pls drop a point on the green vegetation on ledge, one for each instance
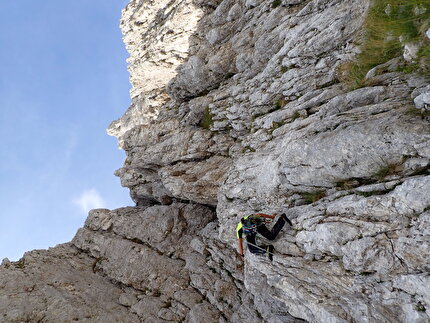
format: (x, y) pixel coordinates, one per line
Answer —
(207, 120)
(276, 3)
(312, 197)
(389, 24)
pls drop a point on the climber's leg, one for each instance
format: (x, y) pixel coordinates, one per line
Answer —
(272, 234)
(252, 245)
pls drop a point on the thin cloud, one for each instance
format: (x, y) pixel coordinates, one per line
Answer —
(70, 147)
(90, 199)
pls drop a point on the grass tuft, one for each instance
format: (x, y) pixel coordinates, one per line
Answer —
(388, 170)
(424, 58)
(371, 193)
(312, 197)
(412, 111)
(420, 307)
(276, 125)
(207, 120)
(248, 148)
(347, 184)
(295, 116)
(276, 4)
(279, 104)
(387, 22)
(284, 69)
(366, 273)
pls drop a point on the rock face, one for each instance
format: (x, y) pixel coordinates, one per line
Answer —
(164, 253)
(59, 285)
(237, 108)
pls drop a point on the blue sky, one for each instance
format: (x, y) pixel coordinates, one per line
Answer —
(63, 80)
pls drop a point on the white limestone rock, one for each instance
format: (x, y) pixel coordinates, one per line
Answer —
(154, 55)
(150, 250)
(252, 3)
(410, 51)
(238, 105)
(422, 101)
(280, 134)
(59, 285)
(5, 262)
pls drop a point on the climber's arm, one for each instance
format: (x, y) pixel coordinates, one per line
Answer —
(239, 233)
(267, 216)
(240, 246)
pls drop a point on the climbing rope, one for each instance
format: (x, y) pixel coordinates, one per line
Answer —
(260, 248)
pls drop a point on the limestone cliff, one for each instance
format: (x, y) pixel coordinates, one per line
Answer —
(240, 107)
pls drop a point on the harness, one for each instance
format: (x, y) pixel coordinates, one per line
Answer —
(249, 227)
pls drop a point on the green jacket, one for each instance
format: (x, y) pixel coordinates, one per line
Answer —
(239, 230)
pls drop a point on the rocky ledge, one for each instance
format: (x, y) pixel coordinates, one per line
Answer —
(239, 107)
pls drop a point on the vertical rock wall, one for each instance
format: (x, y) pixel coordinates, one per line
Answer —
(238, 107)
(258, 120)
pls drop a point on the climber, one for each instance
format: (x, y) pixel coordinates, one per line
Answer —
(252, 224)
